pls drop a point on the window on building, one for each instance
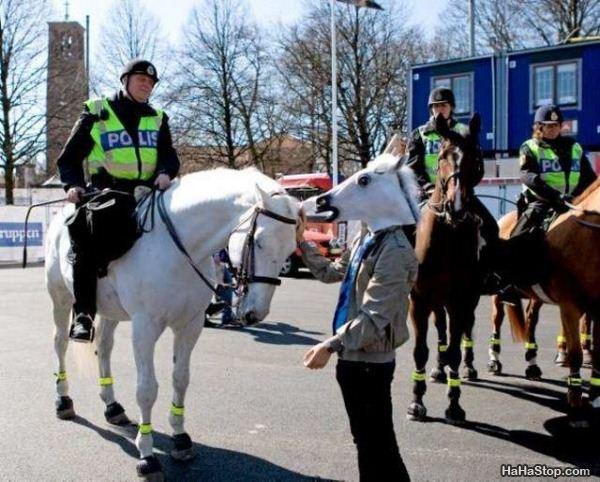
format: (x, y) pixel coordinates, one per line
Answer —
(461, 86)
(555, 84)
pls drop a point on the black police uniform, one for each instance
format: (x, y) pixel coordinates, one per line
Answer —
(70, 165)
(539, 198)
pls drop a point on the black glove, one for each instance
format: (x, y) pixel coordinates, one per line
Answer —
(566, 198)
(559, 206)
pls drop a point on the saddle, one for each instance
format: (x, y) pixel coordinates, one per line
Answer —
(106, 226)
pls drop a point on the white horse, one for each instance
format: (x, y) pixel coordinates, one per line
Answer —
(383, 194)
(154, 286)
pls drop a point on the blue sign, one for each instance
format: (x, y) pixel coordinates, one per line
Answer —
(12, 235)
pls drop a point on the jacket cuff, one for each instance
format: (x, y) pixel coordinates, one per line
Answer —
(334, 344)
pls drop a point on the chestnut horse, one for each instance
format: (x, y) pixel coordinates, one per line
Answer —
(573, 283)
(447, 247)
(529, 319)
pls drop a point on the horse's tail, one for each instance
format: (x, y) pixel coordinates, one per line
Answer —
(518, 325)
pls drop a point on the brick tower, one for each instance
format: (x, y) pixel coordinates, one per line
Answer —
(67, 87)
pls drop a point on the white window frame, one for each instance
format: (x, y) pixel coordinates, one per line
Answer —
(532, 84)
(451, 78)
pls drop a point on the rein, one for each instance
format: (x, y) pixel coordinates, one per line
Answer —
(588, 212)
(247, 269)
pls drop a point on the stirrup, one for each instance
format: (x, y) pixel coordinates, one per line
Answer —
(81, 333)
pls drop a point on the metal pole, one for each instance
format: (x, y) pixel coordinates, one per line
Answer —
(472, 27)
(334, 126)
(87, 49)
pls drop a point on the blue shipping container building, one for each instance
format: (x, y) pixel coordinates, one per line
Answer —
(507, 88)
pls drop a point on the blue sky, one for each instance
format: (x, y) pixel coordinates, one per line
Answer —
(172, 13)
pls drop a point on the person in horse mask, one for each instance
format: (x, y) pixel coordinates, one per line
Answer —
(377, 275)
(423, 151)
(554, 170)
(127, 143)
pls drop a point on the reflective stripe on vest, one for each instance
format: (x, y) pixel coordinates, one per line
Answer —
(114, 148)
(551, 171)
(433, 142)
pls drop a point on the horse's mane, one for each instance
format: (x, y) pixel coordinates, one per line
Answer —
(589, 190)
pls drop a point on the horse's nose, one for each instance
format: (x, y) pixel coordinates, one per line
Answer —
(251, 318)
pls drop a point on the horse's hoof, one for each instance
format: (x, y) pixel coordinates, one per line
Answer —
(561, 358)
(115, 414)
(437, 375)
(64, 408)
(455, 415)
(587, 359)
(416, 412)
(149, 469)
(533, 372)
(494, 367)
(184, 448)
(469, 373)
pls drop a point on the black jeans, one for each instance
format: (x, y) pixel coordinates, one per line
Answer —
(366, 388)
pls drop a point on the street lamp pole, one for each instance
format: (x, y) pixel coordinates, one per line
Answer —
(334, 117)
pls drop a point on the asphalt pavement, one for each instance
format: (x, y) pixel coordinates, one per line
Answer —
(256, 414)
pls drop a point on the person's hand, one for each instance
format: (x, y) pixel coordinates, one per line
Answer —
(317, 357)
(74, 194)
(301, 226)
(163, 181)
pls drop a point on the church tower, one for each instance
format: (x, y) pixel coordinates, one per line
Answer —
(67, 85)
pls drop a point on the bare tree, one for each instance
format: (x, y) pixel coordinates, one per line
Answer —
(22, 75)
(557, 21)
(374, 52)
(513, 24)
(130, 31)
(227, 107)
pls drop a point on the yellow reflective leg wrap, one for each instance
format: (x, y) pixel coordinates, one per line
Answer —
(61, 376)
(531, 346)
(574, 381)
(106, 381)
(467, 343)
(595, 382)
(145, 428)
(442, 348)
(454, 382)
(561, 339)
(583, 337)
(418, 377)
(177, 411)
(494, 341)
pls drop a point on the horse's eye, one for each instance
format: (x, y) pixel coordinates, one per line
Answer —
(364, 180)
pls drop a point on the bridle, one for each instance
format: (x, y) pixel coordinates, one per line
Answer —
(441, 208)
(246, 273)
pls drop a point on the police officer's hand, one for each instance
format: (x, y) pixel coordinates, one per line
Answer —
(74, 194)
(317, 357)
(301, 226)
(163, 181)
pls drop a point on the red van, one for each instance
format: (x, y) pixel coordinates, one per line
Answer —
(329, 237)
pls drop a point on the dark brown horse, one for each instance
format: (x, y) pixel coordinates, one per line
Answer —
(573, 283)
(447, 247)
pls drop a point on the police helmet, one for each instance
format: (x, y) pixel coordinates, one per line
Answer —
(440, 95)
(548, 114)
(139, 66)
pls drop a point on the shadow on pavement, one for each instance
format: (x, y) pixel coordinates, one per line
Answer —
(279, 333)
(210, 463)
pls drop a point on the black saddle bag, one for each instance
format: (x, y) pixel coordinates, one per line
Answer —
(110, 228)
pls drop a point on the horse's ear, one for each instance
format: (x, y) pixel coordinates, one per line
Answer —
(475, 125)
(262, 197)
(441, 126)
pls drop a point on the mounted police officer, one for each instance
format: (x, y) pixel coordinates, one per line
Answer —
(423, 151)
(127, 143)
(554, 169)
